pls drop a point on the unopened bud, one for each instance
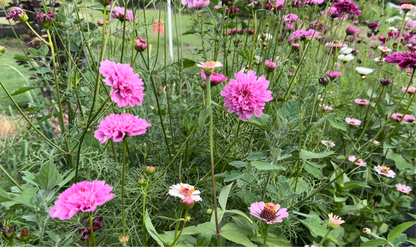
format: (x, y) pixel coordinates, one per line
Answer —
(209, 211)
(367, 231)
(150, 170)
(140, 45)
(324, 81)
(124, 240)
(2, 50)
(385, 81)
(142, 181)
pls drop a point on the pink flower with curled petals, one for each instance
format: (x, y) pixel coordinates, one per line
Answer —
(411, 89)
(84, 196)
(362, 101)
(215, 78)
(268, 212)
(270, 65)
(385, 171)
(352, 30)
(358, 162)
(246, 95)
(117, 126)
(403, 188)
(409, 118)
(352, 121)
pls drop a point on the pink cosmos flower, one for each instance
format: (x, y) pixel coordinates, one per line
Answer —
(84, 196)
(301, 34)
(268, 212)
(290, 17)
(397, 116)
(198, 4)
(358, 162)
(333, 74)
(352, 30)
(185, 190)
(270, 65)
(409, 118)
(362, 101)
(385, 171)
(406, 7)
(120, 15)
(411, 89)
(403, 188)
(215, 78)
(352, 121)
(187, 2)
(404, 60)
(216, 7)
(328, 143)
(128, 87)
(246, 95)
(118, 126)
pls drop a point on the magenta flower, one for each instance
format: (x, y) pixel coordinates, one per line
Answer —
(404, 60)
(333, 74)
(411, 89)
(17, 14)
(301, 34)
(140, 45)
(362, 101)
(268, 212)
(45, 20)
(314, 1)
(270, 65)
(397, 116)
(358, 162)
(409, 118)
(352, 121)
(198, 4)
(128, 87)
(86, 230)
(246, 95)
(290, 17)
(403, 188)
(215, 78)
(120, 14)
(385, 171)
(373, 25)
(346, 6)
(118, 126)
(352, 30)
(84, 196)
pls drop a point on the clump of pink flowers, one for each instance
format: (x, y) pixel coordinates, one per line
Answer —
(268, 212)
(198, 4)
(84, 196)
(246, 95)
(404, 60)
(385, 171)
(404, 118)
(353, 121)
(301, 34)
(403, 188)
(122, 16)
(127, 86)
(117, 126)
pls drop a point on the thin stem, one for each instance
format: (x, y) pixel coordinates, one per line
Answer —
(178, 223)
(144, 212)
(395, 203)
(324, 238)
(31, 28)
(123, 174)
(92, 229)
(183, 227)
(10, 177)
(266, 233)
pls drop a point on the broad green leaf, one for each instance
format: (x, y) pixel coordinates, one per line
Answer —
(399, 229)
(238, 164)
(222, 199)
(349, 209)
(260, 122)
(305, 155)
(68, 177)
(100, 7)
(21, 57)
(232, 233)
(264, 166)
(192, 31)
(187, 63)
(4, 197)
(354, 184)
(259, 155)
(151, 230)
(43, 51)
(401, 162)
(26, 196)
(374, 243)
(316, 228)
(48, 177)
(272, 240)
(314, 171)
(20, 91)
(234, 176)
(402, 238)
(290, 110)
(337, 125)
(204, 239)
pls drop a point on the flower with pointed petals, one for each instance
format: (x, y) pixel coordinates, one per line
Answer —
(409, 118)
(215, 79)
(122, 16)
(385, 171)
(364, 71)
(346, 6)
(352, 121)
(397, 116)
(333, 74)
(334, 221)
(198, 4)
(301, 34)
(404, 60)
(346, 50)
(209, 66)
(403, 188)
(185, 190)
(328, 143)
(268, 212)
(352, 30)
(345, 58)
(358, 162)
(411, 89)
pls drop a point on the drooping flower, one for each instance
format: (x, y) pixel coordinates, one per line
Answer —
(411, 89)
(352, 121)
(17, 14)
(268, 212)
(352, 30)
(385, 171)
(246, 95)
(215, 79)
(122, 16)
(384, 49)
(117, 126)
(334, 221)
(127, 86)
(362, 101)
(198, 4)
(404, 60)
(358, 162)
(45, 20)
(301, 34)
(364, 71)
(403, 188)
(184, 191)
(333, 74)
(84, 196)
(328, 143)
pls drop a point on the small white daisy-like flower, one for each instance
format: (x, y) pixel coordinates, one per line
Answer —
(384, 49)
(346, 58)
(346, 50)
(185, 190)
(265, 36)
(328, 143)
(364, 71)
(385, 171)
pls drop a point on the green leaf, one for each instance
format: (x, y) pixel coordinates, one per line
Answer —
(234, 176)
(354, 184)
(320, 122)
(204, 114)
(259, 155)
(151, 230)
(4, 197)
(231, 232)
(20, 57)
(100, 7)
(305, 155)
(26, 196)
(399, 229)
(260, 122)
(402, 238)
(264, 166)
(314, 171)
(317, 228)
(68, 177)
(20, 91)
(374, 243)
(43, 51)
(238, 164)
(337, 125)
(48, 177)
(401, 162)
(204, 239)
(88, 26)
(187, 63)
(224, 196)
(350, 209)
(192, 31)
(290, 110)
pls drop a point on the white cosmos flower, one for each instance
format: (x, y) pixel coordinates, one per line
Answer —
(393, 29)
(364, 71)
(209, 64)
(346, 50)
(384, 49)
(257, 59)
(346, 58)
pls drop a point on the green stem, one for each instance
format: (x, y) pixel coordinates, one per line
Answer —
(92, 229)
(178, 223)
(395, 203)
(324, 238)
(266, 233)
(183, 227)
(263, 193)
(10, 177)
(123, 175)
(144, 212)
(31, 28)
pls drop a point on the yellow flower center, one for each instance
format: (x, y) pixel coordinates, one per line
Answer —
(385, 169)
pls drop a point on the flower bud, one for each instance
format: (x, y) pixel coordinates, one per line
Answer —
(45, 20)
(18, 14)
(270, 66)
(150, 170)
(209, 211)
(140, 45)
(188, 202)
(123, 240)
(367, 231)
(2, 50)
(385, 81)
(264, 44)
(324, 81)
(142, 181)
(24, 234)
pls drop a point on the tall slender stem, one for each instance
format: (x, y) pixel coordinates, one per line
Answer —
(266, 233)
(395, 203)
(178, 223)
(144, 212)
(123, 175)
(324, 238)
(183, 227)
(92, 229)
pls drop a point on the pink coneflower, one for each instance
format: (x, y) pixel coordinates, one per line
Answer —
(403, 188)
(333, 74)
(346, 6)
(246, 95)
(352, 30)
(328, 143)
(362, 101)
(117, 126)
(385, 171)
(358, 162)
(198, 4)
(301, 34)
(84, 196)
(120, 15)
(411, 89)
(334, 221)
(270, 65)
(352, 121)
(185, 191)
(215, 78)
(268, 212)
(404, 60)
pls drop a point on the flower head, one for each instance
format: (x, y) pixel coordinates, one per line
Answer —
(84, 196)
(328, 143)
(352, 30)
(411, 89)
(364, 71)
(198, 4)
(352, 121)
(45, 20)
(268, 212)
(122, 16)
(246, 95)
(385, 171)
(367, 231)
(185, 190)
(117, 126)
(409, 118)
(384, 49)
(209, 66)
(358, 162)
(17, 14)
(334, 221)
(333, 74)
(406, 7)
(346, 6)
(127, 86)
(403, 188)
(397, 116)
(270, 65)
(140, 45)
(215, 78)
(290, 17)
(301, 34)
(362, 101)
(404, 60)
(345, 58)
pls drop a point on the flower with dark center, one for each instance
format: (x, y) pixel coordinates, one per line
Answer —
(268, 212)
(404, 60)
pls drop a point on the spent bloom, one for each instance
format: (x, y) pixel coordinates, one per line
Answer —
(117, 126)
(86, 230)
(333, 74)
(121, 15)
(246, 95)
(361, 101)
(184, 191)
(209, 66)
(45, 20)
(84, 196)
(127, 86)
(334, 221)
(403, 188)
(301, 34)
(385, 171)
(411, 89)
(328, 143)
(17, 14)
(358, 162)
(404, 60)
(268, 212)
(352, 121)
(215, 78)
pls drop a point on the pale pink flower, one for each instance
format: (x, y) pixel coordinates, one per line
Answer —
(376, 142)
(185, 190)
(333, 74)
(118, 126)
(215, 78)
(385, 171)
(314, 2)
(411, 89)
(290, 17)
(246, 95)
(268, 212)
(352, 121)
(358, 162)
(409, 118)
(270, 65)
(326, 107)
(128, 87)
(403, 188)
(397, 116)
(198, 4)
(120, 15)
(406, 7)
(84, 196)
(362, 101)
(311, 246)
(328, 143)
(334, 221)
